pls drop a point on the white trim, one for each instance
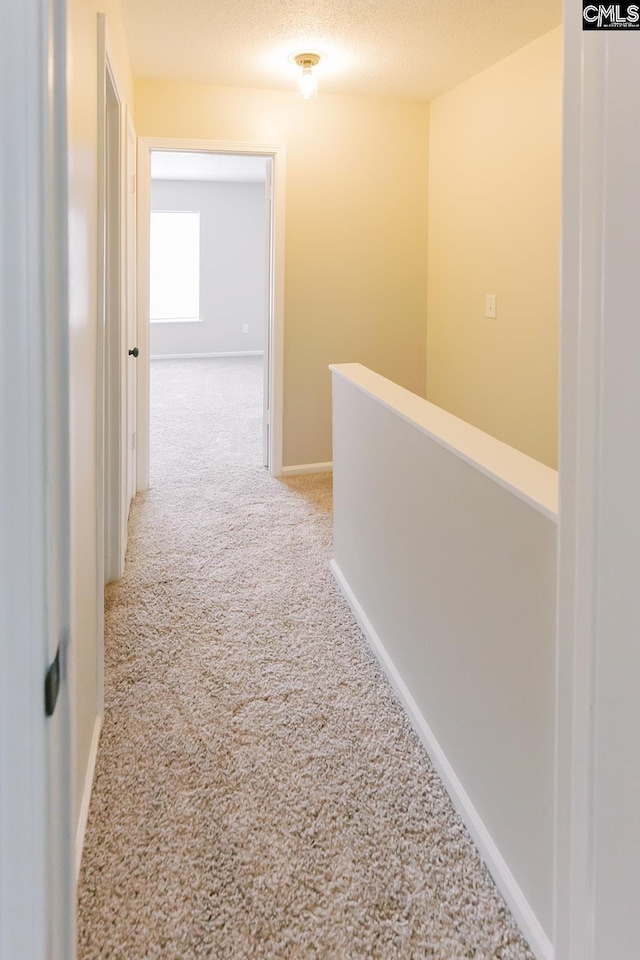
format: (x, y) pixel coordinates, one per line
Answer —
(275, 348)
(100, 275)
(515, 898)
(37, 903)
(83, 814)
(206, 356)
(573, 860)
(301, 468)
(598, 715)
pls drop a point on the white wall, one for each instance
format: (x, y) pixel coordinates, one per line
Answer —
(232, 267)
(446, 549)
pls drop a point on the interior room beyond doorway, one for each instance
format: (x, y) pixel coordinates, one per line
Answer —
(209, 258)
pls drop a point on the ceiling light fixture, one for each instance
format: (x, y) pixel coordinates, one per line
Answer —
(308, 81)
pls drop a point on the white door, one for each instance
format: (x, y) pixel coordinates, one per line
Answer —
(37, 890)
(111, 398)
(268, 300)
(132, 332)
(143, 370)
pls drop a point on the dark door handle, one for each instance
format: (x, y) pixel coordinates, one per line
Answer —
(52, 685)
(134, 352)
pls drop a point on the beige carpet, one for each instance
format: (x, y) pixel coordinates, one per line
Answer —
(259, 792)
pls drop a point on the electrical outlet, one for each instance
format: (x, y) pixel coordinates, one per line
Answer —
(490, 308)
(245, 328)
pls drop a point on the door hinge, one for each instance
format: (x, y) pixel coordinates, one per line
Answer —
(52, 685)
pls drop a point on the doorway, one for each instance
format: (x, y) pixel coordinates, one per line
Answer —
(159, 163)
(209, 270)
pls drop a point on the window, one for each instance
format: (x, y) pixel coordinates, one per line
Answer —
(174, 293)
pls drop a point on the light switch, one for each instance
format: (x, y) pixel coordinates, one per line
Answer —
(490, 309)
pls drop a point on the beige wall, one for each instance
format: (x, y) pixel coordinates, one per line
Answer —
(83, 207)
(356, 238)
(494, 227)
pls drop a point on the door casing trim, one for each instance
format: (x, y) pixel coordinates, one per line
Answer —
(274, 348)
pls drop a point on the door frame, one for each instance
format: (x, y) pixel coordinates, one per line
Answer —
(274, 346)
(37, 890)
(597, 837)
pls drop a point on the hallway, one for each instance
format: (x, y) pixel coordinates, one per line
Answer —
(259, 792)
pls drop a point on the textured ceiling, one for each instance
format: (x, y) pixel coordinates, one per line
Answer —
(404, 48)
(175, 165)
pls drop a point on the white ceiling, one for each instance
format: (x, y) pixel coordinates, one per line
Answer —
(175, 165)
(404, 48)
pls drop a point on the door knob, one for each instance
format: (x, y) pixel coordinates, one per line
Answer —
(134, 352)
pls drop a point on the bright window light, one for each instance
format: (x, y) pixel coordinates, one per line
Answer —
(174, 294)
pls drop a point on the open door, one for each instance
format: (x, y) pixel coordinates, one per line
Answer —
(131, 310)
(268, 301)
(112, 334)
(143, 370)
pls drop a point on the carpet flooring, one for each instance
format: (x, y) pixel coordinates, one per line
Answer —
(259, 792)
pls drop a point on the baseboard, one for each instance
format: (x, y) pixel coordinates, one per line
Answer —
(504, 879)
(206, 356)
(300, 468)
(83, 816)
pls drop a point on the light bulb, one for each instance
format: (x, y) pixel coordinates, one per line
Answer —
(307, 81)
(308, 84)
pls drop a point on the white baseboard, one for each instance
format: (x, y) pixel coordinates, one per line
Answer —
(206, 356)
(300, 468)
(505, 881)
(83, 815)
